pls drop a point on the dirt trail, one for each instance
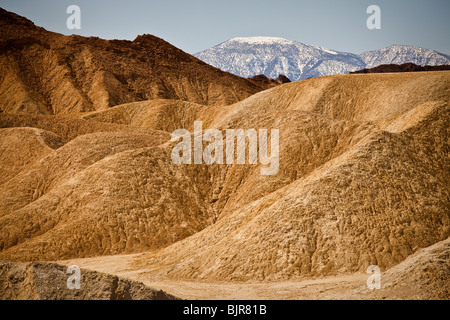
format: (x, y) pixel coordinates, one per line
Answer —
(424, 275)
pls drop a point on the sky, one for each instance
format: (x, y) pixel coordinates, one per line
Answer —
(196, 25)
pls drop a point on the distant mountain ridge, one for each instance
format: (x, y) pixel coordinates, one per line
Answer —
(273, 56)
(405, 67)
(396, 54)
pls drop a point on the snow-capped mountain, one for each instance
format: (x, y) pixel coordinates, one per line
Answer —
(271, 56)
(401, 54)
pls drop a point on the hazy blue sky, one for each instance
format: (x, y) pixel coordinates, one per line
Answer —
(199, 24)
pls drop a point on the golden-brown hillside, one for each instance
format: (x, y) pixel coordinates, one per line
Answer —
(362, 181)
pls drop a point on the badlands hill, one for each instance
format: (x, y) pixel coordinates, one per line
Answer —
(48, 73)
(363, 179)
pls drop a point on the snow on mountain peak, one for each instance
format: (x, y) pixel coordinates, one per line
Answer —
(260, 40)
(272, 56)
(398, 54)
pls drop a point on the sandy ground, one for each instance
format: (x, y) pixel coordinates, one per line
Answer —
(326, 288)
(422, 276)
(351, 286)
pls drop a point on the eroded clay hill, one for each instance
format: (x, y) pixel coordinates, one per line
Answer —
(42, 72)
(363, 179)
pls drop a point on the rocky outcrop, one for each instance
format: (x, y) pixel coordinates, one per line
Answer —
(48, 281)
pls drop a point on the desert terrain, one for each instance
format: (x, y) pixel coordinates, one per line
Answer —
(86, 177)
